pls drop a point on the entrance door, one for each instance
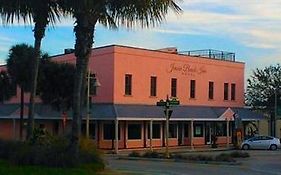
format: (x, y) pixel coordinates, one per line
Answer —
(208, 133)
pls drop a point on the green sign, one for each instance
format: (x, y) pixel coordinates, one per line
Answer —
(174, 102)
(161, 103)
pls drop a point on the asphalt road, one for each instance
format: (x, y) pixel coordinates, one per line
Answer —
(260, 163)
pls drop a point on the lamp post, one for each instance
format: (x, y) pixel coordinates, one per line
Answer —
(94, 84)
(168, 112)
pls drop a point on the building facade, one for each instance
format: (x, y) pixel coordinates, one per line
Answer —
(209, 85)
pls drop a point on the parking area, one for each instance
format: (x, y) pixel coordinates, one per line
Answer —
(260, 162)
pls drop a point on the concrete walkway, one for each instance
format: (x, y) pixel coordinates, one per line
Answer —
(179, 149)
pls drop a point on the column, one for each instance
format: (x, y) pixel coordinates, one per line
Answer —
(191, 134)
(14, 128)
(227, 133)
(182, 133)
(116, 136)
(151, 130)
(98, 133)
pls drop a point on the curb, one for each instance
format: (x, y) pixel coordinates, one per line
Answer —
(178, 160)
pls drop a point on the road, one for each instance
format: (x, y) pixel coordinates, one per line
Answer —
(260, 163)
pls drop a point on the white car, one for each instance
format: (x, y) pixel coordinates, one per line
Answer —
(261, 142)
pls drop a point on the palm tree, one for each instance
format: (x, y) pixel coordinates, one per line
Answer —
(19, 68)
(40, 13)
(110, 13)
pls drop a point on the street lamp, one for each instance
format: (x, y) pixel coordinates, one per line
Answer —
(90, 84)
(168, 112)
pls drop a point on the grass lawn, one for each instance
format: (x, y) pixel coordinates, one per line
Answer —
(7, 169)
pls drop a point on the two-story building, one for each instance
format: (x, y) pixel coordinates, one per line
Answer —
(209, 85)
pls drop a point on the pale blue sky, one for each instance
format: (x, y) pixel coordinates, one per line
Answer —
(250, 28)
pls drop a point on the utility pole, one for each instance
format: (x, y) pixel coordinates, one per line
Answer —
(95, 83)
(88, 106)
(277, 110)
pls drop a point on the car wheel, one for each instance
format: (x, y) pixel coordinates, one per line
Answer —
(246, 147)
(273, 147)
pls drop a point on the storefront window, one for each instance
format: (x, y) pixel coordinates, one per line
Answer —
(92, 130)
(134, 131)
(220, 129)
(109, 131)
(173, 130)
(156, 131)
(198, 130)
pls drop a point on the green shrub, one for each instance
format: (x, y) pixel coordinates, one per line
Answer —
(8, 147)
(50, 151)
(239, 154)
(152, 154)
(90, 154)
(199, 158)
(134, 154)
(224, 158)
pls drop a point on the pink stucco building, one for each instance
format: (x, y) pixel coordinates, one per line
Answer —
(209, 85)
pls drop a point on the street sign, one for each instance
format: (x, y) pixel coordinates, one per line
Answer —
(161, 103)
(174, 102)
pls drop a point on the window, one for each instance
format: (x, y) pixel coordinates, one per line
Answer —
(192, 88)
(155, 131)
(93, 89)
(92, 129)
(128, 84)
(233, 88)
(109, 131)
(211, 90)
(221, 129)
(174, 87)
(56, 127)
(225, 97)
(173, 130)
(198, 130)
(153, 86)
(134, 131)
(186, 133)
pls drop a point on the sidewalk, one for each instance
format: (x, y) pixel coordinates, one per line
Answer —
(178, 149)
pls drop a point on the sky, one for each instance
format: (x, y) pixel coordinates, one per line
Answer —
(250, 28)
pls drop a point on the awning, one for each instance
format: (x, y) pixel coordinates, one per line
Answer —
(139, 112)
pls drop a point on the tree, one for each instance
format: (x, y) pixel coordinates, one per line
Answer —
(19, 68)
(40, 13)
(56, 84)
(110, 13)
(261, 89)
(7, 86)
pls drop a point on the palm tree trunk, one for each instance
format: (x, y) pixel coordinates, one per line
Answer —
(21, 111)
(39, 31)
(84, 31)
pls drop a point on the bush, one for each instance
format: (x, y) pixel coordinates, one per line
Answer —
(90, 154)
(152, 154)
(7, 148)
(50, 151)
(224, 158)
(200, 157)
(239, 154)
(134, 154)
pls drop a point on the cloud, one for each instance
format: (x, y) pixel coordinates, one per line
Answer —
(253, 23)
